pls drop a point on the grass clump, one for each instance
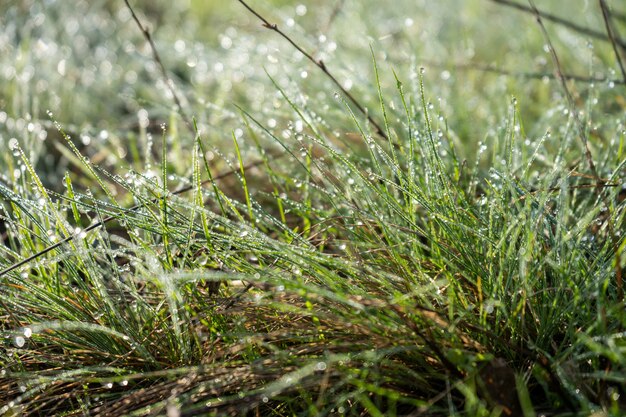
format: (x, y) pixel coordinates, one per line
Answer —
(345, 247)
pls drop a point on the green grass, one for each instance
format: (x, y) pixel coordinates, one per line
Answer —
(466, 263)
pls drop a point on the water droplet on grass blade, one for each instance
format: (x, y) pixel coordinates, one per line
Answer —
(489, 307)
(13, 144)
(19, 341)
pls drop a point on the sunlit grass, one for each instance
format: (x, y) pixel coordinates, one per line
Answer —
(466, 264)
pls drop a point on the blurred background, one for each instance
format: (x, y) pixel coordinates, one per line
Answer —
(86, 65)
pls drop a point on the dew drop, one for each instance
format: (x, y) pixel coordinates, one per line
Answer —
(19, 341)
(13, 144)
(103, 135)
(301, 10)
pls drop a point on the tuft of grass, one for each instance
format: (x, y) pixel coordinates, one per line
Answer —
(310, 251)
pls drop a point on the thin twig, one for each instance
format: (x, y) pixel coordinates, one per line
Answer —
(325, 28)
(556, 19)
(558, 71)
(189, 124)
(530, 75)
(157, 58)
(321, 65)
(334, 14)
(134, 208)
(618, 261)
(611, 32)
(583, 136)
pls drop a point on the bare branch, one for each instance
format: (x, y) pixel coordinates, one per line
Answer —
(157, 58)
(583, 135)
(611, 32)
(320, 64)
(556, 19)
(558, 70)
(334, 14)
(530, 75)
(107, 219)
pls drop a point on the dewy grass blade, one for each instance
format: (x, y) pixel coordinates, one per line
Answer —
(244, 183)
(268, 168)
(344, 275)
(199, 198)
